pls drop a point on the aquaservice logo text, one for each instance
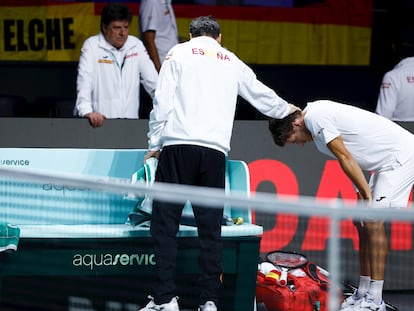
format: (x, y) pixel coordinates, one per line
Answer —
(101, 260)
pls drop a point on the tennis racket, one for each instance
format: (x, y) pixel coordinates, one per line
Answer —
(286, 261)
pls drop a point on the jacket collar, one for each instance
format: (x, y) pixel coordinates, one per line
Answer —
(205, 39)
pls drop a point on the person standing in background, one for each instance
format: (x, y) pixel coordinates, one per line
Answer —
(396, 96)
(112, 66)
(158, 28)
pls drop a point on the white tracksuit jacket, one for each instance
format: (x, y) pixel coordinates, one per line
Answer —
(396, 97)
(196, 96)
(109, 79)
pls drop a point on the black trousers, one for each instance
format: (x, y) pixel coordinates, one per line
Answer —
(198, 166)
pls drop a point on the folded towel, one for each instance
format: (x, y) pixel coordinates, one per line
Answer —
(9, 237)
(142, 210)
(141, 213)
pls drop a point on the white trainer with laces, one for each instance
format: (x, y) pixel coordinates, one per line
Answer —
(368, 304)
(208, 306)
(169, 306)
(351, 302)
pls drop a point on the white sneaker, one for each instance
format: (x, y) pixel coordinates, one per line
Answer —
(208, 306)
(351, 302)
(368, 304)
(169, 306)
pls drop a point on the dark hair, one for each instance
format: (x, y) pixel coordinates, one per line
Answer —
(281, 129)
(404, 49)
(205, 26)
(115, 12)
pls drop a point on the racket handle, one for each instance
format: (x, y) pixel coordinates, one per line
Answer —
(272, 277)
(283, 278)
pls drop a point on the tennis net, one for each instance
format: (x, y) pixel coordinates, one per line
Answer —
(49, 207)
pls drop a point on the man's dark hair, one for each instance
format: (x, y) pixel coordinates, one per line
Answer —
(205, 26)
(404, 49)
(281, 129)
(115, 12)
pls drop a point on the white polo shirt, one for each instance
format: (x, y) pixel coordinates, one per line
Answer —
(158, 15)
(375, 142)
(396, 97)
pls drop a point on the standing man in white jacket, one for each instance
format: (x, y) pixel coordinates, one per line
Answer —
(111, 67)
(189, 132)
(396, 96)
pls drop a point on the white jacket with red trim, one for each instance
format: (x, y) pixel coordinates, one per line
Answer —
(109, 79)
(196, 96)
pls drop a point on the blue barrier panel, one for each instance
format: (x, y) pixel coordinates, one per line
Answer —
(75, 240)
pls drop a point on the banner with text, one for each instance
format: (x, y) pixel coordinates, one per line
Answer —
(332, 33)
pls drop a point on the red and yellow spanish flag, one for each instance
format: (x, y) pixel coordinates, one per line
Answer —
(334, 32)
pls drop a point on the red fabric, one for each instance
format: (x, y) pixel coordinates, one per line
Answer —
(307, 293)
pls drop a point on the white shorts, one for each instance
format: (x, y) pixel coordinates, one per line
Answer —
(391, 188)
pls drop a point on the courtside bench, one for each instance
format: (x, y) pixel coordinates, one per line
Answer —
(76, 251)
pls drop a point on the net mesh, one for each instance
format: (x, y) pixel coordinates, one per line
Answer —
(75, 239)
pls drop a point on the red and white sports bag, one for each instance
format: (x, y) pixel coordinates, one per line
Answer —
(287, 281)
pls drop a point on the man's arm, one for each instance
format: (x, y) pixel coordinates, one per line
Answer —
(148, 37)
(387, 98)
(85, 86)
(350, 167)
(85, 80)
(162, 105)
(148, 74)
(260, 96)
